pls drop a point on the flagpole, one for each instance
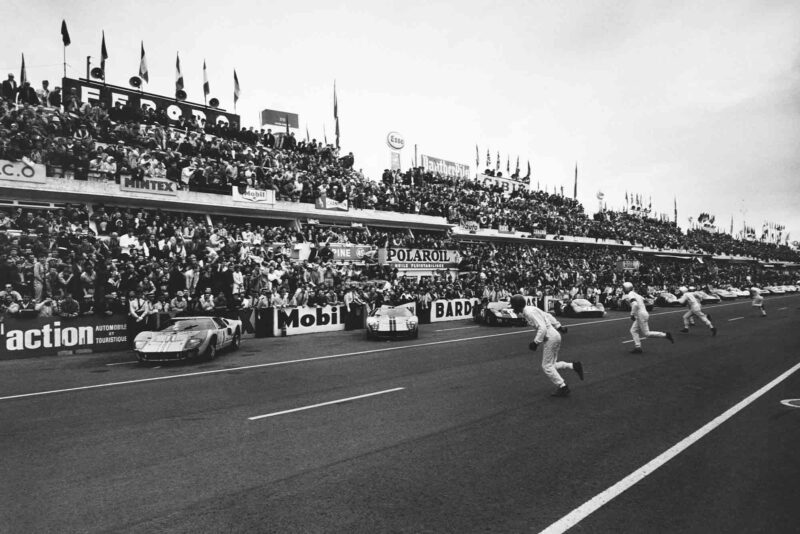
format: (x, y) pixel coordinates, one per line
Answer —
(65, 61)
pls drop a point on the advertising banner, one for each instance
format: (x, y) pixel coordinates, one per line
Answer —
(308, 320)
(44, 336)
(414, 258)
(347, 252)
(148, 185)
(325, 203)
(253, 196)
(274, 117)
(19, 171)
(445, 168)
(395, 163)
(628, 265)
(508, 185)
(471, 226)
(452, 310)
(538, 233)
(111, 94)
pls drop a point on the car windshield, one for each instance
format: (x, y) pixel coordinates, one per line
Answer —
(400, 311)
(188, 325)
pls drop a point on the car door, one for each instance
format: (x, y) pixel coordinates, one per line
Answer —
(224, 333)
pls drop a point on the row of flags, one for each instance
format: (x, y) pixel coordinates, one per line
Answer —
(144, 72)
(517, 169)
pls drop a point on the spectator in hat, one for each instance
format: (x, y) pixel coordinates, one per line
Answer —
(54, 98)
(68, 307)
(178, 305)
(44, 92)
(9, 88)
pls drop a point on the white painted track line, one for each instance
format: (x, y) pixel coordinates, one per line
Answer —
(583, 511)
(327, 357)
(254, 418)
(735, 319)
(123, 363)
(458, 328)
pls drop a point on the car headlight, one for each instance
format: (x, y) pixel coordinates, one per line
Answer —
(140, 344)
(411, 323)
(372, 322)
(194, 341)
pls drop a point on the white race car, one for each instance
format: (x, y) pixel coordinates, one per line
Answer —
(188, 337)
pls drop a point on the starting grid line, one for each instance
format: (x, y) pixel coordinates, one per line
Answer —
(318, 358)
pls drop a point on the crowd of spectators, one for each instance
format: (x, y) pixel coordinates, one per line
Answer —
(92, 259)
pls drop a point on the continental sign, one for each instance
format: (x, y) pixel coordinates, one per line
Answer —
(418, 258)
(175, 109)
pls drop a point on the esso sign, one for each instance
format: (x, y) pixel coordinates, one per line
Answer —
(395, 140)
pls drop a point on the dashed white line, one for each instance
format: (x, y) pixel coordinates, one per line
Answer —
(339, 401)
(629, 341)
(784, 308)
(735, 319)
(583, 511)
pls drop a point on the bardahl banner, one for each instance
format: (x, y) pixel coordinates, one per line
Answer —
(508, 185)
(111, 94)
(45, 336)
(158, 186)
(416, 258)
(20, 171)
(253, 196)
(452, 310)
(308, 320)
(445, 168)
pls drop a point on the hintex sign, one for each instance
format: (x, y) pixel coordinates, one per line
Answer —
(395, 140)
(414, 258)
(148, 185)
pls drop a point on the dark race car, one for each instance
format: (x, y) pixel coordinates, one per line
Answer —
(582, 308)
(392, 322)
(499, 314)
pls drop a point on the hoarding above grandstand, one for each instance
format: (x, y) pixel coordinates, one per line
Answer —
(507, 184)
(110, 94)
(445, 168)
(278, 118)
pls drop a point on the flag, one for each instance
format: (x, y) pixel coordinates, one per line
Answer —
(336, 112)
(575, 190)
(508, 163)
(529, 170)
(178, 74)
(103, 54)
(731, 224)
(676, 208)
(626, 198)
(64, 33)
(488, 158)
(517, 167)
(236, 89)
(287, 125)
(206, 86)
(324, 134)
(477, 158)
(143, 74)
(497, 163)
(308, 137)
(23, 76)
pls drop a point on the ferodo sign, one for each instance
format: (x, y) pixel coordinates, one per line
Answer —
(452, 310)
(308, 320)
(418, 258)
(24, 338)
(88, 91)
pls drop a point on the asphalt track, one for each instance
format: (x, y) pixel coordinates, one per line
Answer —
(471, 443)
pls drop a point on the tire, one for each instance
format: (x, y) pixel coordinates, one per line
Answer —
(370, 337)
(416, 335)
(211, 351)
(491, 320)
(236, 342)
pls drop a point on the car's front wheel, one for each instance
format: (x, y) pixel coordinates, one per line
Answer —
(211, 351)
(236, 342)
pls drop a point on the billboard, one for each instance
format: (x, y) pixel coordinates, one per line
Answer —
(413, 258)
(44, 336)
(20, 171)
(507, 184)
(445, 168)
(278, 118)
(111, 94)
(253, 196)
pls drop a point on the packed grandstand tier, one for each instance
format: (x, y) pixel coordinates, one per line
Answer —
(86, 257)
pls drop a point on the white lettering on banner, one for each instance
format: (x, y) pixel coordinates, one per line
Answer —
(508, 185)
(150, 185)
(445, 168)
(19, 171)
(472, 226)
(48, 337)
(42, 336)
(254, 196)
(309, 320)
(452, 310)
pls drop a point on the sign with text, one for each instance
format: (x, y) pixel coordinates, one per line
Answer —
(508, 185)
(325, 203)
(348, 252)
(414, 258)
(148, 185)
(445, 168)
(110, 94)
(273, 117)
(44, 336)
(20, 171)
(452, 310)
(309, 319)
(253, 196)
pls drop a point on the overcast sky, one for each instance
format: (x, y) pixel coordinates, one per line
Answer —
(699, 100)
